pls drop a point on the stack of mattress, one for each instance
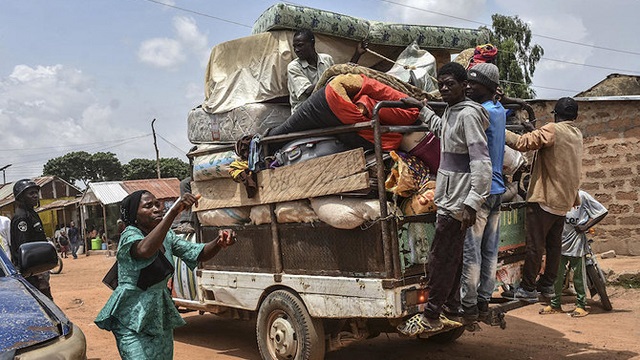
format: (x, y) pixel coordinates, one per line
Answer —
(285, 16)
(246, 83)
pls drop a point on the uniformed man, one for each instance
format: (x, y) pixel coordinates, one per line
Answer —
(26, 226)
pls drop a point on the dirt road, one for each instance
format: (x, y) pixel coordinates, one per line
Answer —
(601, 335)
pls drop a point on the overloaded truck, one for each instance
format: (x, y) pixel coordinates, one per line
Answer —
(326, 252)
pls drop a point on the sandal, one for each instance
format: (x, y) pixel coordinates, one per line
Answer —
(579, 312)
(449, 322)
(419, 324)
(550, 310)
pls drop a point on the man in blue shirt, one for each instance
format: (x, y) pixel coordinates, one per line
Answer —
(481, 241)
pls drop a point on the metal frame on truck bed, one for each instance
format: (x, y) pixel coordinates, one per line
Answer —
(316, 288)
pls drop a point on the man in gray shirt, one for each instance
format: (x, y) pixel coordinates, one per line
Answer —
(303, 73)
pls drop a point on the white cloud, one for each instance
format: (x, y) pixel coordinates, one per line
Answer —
(48, 111)
(170, 52)
(161, 52)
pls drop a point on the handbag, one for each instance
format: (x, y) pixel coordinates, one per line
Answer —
(152, 274)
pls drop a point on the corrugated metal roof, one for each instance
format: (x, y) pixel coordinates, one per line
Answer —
(160, 188)
(58, 204)
(108, 192)
(5, 191)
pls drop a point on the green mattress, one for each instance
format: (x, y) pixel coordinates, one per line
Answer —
(285, 16)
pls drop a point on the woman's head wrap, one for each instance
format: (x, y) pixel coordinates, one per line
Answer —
(129, 207)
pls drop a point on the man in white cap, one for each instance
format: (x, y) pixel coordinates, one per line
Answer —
(480, 256)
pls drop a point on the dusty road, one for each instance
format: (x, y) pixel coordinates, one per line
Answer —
(601, 335)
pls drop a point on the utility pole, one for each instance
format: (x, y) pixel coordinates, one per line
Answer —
(155, 144)
(4, 177)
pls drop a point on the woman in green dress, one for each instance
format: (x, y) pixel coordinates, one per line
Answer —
(143, 320)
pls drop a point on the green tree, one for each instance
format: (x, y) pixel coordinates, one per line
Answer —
(139, 169)
(517, 57)
(146, 169)
(84, 167)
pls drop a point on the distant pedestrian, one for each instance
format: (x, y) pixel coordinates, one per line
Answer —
(74, 239)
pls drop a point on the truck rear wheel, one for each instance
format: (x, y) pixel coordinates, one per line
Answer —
(285, 330)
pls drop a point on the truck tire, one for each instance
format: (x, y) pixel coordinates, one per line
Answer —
(597, 279)
(285, 330)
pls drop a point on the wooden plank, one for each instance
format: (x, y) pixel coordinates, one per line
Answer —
(326, 175)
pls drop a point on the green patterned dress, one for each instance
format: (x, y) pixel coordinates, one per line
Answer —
(143, 320)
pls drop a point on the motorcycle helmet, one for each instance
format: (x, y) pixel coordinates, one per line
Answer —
(21, 185)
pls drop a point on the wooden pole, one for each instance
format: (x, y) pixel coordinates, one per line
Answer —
(155, 144)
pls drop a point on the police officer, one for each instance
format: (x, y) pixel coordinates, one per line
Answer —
(26, 226)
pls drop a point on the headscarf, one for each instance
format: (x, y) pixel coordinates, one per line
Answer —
(129, 207)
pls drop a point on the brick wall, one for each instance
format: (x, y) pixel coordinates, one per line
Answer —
(610, 167)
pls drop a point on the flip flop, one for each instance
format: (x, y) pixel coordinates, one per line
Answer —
(579, 312)
(550, 310)
(418, 324)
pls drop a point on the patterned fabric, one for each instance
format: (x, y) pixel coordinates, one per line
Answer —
(135, 346)
(286, 16)
(438, 37)
(483, 54)
(232, 125)
(408, 175)
(141, 319)
(213, 166)
(185, 282)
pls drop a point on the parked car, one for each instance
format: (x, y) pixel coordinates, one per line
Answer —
(32, 326)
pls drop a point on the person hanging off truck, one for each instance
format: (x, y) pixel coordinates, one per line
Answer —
(304, 72)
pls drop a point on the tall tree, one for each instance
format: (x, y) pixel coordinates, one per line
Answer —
(517, 57)
(84, 167)
(146, 169)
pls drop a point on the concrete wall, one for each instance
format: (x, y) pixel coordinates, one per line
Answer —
(610, 167)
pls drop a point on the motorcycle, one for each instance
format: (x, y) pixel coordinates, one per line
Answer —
(596, 280)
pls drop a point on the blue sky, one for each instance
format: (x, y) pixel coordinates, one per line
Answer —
(78, 75)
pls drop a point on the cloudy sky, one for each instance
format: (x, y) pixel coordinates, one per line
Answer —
(79, 75)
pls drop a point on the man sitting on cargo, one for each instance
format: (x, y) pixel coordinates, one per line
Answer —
(462, 185)
(303, 73)
(349, 99)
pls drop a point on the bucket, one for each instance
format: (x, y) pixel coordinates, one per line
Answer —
(96, 244)
(104, 246)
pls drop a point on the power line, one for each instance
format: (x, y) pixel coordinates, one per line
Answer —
(588, 65)
(541, 87)
(180, 151)
(199, 13)
(489, 25)
(74, 145)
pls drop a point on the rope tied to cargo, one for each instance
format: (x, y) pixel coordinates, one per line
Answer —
(406, 67)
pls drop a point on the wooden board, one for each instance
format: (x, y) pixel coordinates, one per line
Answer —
(326, 175)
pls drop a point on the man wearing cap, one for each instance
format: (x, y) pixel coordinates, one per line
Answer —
(553, 191)
(26, 226)
(462, 185)
(480, 256)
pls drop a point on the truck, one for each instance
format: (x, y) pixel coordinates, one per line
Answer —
(314, 288)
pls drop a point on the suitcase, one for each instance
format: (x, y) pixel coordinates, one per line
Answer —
(309, 148)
